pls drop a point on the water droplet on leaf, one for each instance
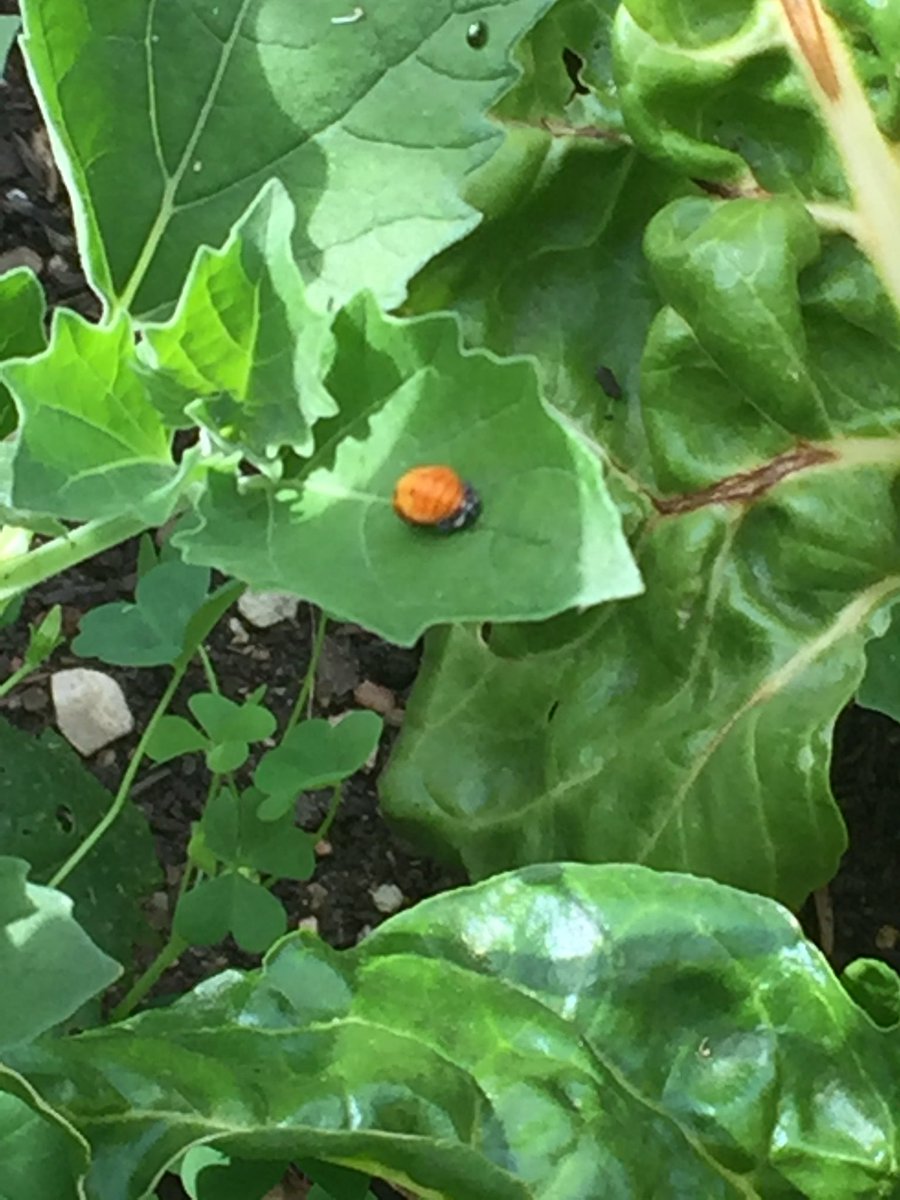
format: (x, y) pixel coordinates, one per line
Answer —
(477, 35)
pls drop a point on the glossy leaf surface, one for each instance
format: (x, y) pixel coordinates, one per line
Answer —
(755, 455)
(757, 1076)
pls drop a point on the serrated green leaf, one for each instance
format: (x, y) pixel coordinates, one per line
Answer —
(548, 538)
(49, 801)
(91, 442)
(230, 903)
(314, 754)
(623, 1029)
(22, 301)
(151, 632)
(244, 341)
(268, 90)
(173, 736)
(49, 966)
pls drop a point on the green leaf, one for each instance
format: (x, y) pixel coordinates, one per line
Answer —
(44, 637)
(244, 340)
(230, 903)
(22, 301)
(91, 442)
(267, 90)
(314, 754)
(173, 736)
(767, 528)
(548, 539)
(49, 966)
(577, 294)
(226, 721)
(49, 801)
(234, 832)
(624, 1030)
(880, 686)
(744, 115)
(36, 1153)
(151, 632)
(208, 1174)
(335, 1183)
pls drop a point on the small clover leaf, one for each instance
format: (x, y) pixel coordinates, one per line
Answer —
(230, 903)
(314, 754)
(151, 632)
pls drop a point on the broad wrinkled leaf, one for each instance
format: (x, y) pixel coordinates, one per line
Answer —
(91, 443)
(245, 342)
(49, 801)
(548, 538)
(151, 632)
(623, 1033)
(765, 471)
(49, 966)
(170, 116)
(21, 295)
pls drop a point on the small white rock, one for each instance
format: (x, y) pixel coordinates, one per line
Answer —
(310, 924)
(91, 710)
(263, 609)
(239, 635)
(387, 898)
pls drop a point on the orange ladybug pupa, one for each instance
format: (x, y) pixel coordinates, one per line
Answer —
(435, 496)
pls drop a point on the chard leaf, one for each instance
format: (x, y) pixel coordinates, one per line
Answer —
(170, 117)
(690, 728)
(548, 539)
(625, 1033)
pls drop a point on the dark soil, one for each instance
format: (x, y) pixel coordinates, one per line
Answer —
(35, 227)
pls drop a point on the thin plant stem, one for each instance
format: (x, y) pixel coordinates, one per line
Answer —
(121, 798)
(17, 677)
(333, 805)
(309, 681)
(170, 953)
(208, 669)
